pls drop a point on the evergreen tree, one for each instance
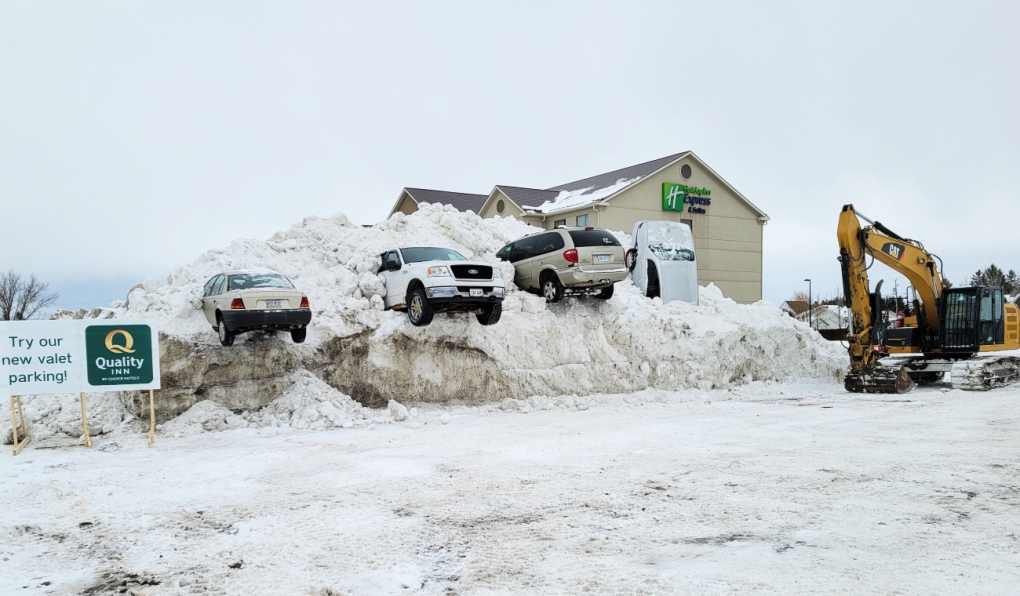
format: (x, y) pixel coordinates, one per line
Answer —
(1012, 286)
(992, 276)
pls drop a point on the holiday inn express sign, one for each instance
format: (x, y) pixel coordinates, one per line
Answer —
(77, 356)
(680, 197)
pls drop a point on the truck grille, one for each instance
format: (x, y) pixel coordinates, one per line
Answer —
(471, 271)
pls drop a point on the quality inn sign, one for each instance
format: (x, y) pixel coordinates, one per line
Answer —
(77, 356)
(118, 354)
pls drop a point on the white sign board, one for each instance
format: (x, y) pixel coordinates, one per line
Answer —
(78, 356)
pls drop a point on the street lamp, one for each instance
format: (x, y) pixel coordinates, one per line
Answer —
(809, 314)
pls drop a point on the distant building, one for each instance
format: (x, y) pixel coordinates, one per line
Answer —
(727, 227)
(830, 320)
(794, 307)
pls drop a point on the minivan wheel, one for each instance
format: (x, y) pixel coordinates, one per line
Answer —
(606, 293)
(490, 314)
(226, 336)
(419, 311)
(552, 289)
(631, 259)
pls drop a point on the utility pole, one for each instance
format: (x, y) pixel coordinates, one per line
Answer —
(810, 314)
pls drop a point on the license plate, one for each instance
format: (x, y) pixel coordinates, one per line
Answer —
(601, 258)
(477, 292)
(274, 303)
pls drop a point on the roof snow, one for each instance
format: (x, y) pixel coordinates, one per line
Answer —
(572, 199)
(591, 190)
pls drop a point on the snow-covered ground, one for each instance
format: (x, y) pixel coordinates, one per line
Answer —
(779, 488)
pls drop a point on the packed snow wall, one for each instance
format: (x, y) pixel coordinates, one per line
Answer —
(579, 346)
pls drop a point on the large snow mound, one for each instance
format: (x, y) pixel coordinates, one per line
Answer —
(309, 403)
(580, 346)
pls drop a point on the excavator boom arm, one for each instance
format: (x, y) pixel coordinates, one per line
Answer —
(902, 255)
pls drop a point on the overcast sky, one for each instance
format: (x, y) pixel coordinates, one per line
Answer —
(136, 135)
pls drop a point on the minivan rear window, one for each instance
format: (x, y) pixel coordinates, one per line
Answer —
(546, 243)
(593, 238)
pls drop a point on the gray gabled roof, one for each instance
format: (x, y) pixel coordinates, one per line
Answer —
(629, 173)
(594, 189)
(462, 201)
(527, 196)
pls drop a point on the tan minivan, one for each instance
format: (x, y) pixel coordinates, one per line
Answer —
(567, 261)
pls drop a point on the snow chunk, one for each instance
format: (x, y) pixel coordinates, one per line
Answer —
(398, 411)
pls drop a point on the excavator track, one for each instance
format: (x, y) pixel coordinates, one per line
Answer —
(879, 380)
(984, 373)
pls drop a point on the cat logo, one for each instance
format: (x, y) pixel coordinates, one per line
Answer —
(894, 250)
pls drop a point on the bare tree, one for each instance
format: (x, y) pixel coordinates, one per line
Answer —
(20, 298)
(800, 295)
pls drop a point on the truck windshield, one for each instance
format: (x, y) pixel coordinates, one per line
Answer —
(418, 254)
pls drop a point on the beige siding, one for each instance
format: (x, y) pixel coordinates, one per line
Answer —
(571, 216)
(406, 205)
(744, 292)
(510, 209)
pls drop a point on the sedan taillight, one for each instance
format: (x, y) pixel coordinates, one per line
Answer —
(236, 304)
(304, 302)
(570, 255)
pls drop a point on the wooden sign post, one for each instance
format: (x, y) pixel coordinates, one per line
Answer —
(18, 446)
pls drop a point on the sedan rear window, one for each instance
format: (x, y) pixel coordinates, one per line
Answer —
(259, 280)
(428, 253)
(593, 238)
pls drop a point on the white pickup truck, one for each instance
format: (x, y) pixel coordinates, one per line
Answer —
(424, 280)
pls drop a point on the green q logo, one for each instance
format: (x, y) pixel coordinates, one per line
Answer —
(124, 348)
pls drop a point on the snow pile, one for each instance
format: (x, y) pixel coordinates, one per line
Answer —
(308, 404)
(54, 416)
(578, 347)
(204, 416)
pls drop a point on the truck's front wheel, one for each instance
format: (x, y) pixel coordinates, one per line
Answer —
(419, 311)
(490, 314)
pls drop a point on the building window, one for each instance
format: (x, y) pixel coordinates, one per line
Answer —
(689, 222)
(559, 222)
(685, 171)
(582, 221)
(500, 206)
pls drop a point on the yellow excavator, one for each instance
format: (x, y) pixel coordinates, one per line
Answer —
(948, 329)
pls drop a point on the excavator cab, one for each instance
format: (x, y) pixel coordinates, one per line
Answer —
(971, 318)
